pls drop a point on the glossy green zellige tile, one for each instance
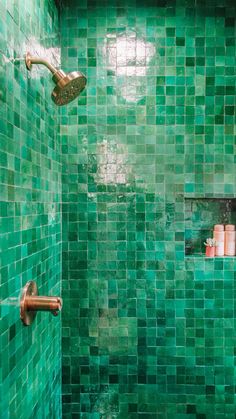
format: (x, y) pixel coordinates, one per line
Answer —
(30, 211)
(147, 332)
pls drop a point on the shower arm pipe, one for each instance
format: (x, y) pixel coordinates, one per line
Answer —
(30, 60)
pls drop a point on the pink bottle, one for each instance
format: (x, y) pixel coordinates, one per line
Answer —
(230, 240)
(219, 236)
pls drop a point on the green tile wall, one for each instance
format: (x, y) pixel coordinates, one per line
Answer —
(30, 220)
(147, 332)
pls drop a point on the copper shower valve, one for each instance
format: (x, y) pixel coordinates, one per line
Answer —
(31, 302)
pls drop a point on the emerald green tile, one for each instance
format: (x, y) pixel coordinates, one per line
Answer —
(30, 378)
(156, 126)
(147, 168)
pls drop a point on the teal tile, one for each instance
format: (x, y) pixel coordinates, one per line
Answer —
(30, 220)
(155, 155)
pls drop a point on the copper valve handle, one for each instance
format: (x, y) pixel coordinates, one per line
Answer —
(30, 303)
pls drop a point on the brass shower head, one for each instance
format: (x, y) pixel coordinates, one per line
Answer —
(68, 85)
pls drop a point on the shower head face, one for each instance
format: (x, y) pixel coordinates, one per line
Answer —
(68, 87)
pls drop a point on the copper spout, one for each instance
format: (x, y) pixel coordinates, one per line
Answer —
(36, 303)
(31, 303)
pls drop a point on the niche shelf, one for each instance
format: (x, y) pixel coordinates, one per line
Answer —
(201, 214)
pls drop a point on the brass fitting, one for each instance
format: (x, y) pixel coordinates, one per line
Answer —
(30, 303)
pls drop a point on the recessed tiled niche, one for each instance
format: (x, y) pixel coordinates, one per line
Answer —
(201, 214)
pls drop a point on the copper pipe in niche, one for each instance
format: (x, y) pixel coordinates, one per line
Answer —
(30, 303)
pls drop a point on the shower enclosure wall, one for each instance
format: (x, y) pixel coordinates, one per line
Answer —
(147, 331)
(138, 168)
(30, 211)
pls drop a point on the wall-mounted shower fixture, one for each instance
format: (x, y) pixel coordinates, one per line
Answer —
(68, 85)
(30, 303)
